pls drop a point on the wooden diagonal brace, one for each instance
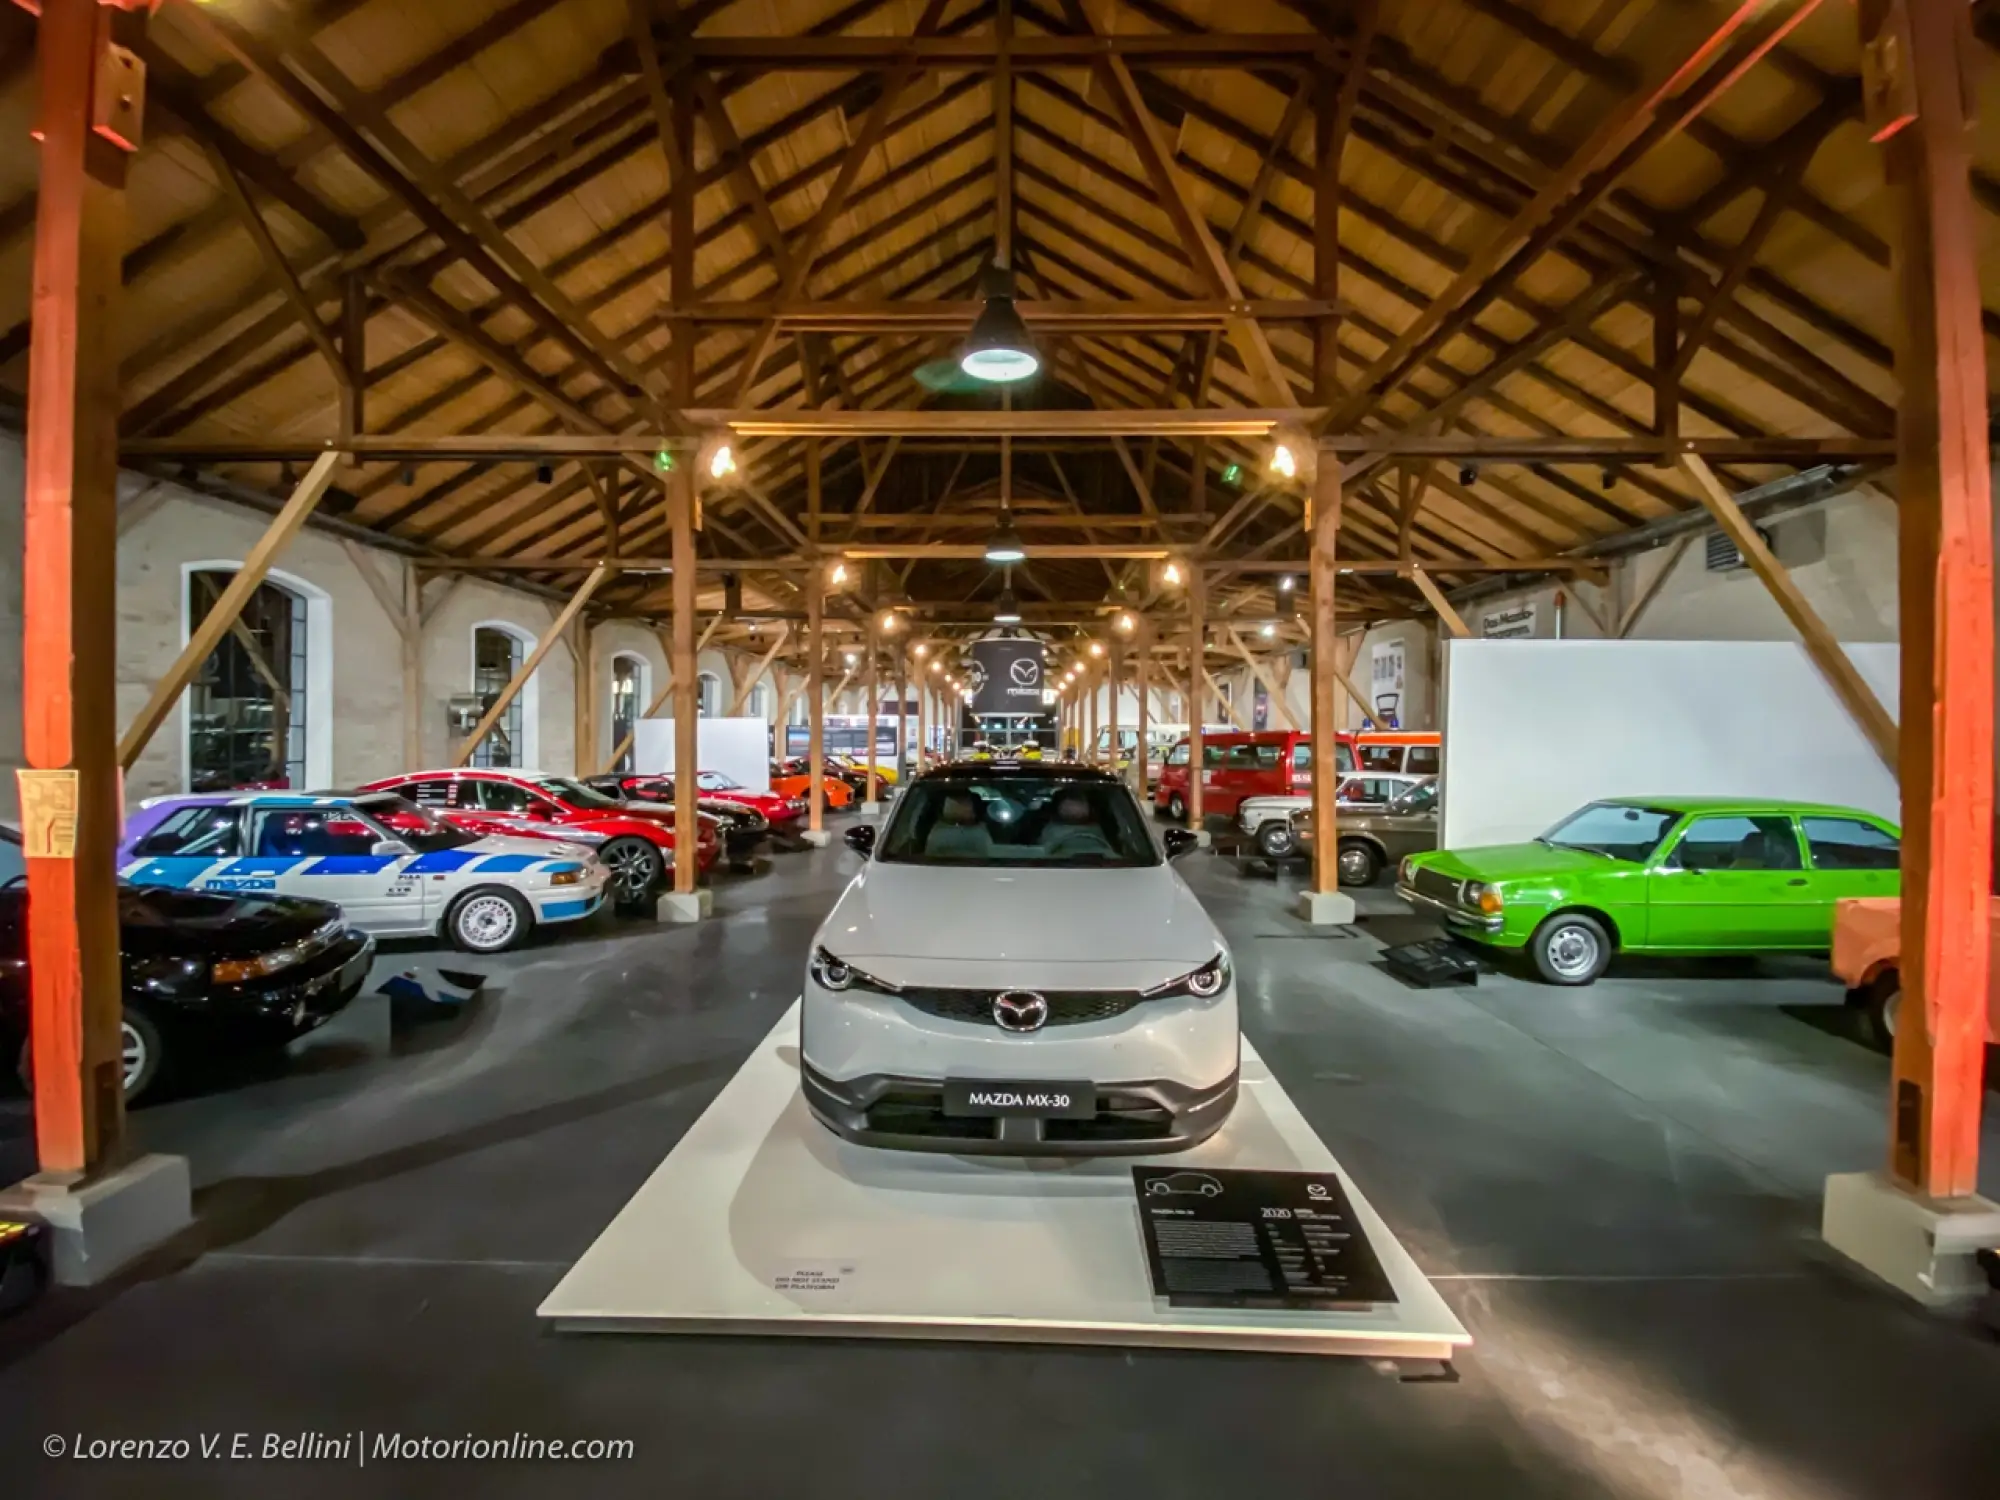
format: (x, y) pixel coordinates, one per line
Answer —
(203, 638)
(1855, 694)
(520, 679)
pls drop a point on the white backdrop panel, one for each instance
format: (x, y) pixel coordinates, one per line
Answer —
(739, 748)
(1535, 729)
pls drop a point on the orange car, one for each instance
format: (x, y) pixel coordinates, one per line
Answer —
(791, 782)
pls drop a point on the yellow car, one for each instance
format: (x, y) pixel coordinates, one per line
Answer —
(885, 771)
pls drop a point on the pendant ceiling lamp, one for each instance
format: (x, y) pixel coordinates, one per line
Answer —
(1005, 545)
(999, 350)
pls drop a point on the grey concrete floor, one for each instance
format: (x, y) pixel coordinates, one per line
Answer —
(1617, 1188)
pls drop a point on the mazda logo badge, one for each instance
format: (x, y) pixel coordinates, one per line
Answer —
(1025, 671)
(1020, 1010)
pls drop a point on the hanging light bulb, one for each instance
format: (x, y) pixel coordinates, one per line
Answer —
(889, 621)
(839, 574)
(1171, 573)
(851, 658)
(922, 649)
(999, 350)
(1097, 648)
(1267, 630)
(717, 461)
(1007, 610)
(1285, 584)
(1284, 462)
(1127, 624)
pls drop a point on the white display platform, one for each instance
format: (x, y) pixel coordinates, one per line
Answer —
(761, 1221)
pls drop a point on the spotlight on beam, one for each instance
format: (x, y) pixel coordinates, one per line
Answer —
(1468, 474)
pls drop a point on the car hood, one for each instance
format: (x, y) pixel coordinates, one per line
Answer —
(534, 847)
(156, 921)
(922, 924)
(1495, 862)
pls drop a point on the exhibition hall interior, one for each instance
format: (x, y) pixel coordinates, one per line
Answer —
(1328, 666)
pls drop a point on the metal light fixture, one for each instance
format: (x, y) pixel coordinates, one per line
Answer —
(1267, 630)
(544, 474)
(1097, 648)
(839, 574)
(889, 621)
(1005, 545)
(852, 658)
(1468, 474)
(999, 350)
(923, 649)
(1285, 584)
(1127, 624)
(1007, 609)
(1284, 462)
(1171, 573)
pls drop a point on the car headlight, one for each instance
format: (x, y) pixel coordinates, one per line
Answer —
(1406, 870)
(165, 973)
(1482, 897)
(835, 974)
(1205, 983)
(237, 970)
(566, 877)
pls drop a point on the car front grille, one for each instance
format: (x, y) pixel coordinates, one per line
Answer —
(1437, 885)
(920, 1112)
(1066, 1007)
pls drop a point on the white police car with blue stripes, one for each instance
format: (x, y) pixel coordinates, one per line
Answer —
(394, 868)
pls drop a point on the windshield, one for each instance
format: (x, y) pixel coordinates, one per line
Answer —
(576, 794)
(715, 781)
(1001, 821)
(1615, 829)
(416, 826)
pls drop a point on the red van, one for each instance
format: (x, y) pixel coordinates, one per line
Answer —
(1238, 765)
(1272, 762)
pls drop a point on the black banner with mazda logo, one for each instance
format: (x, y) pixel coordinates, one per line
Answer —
(1006, 676)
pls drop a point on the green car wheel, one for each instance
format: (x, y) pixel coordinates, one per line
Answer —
(1570, 948)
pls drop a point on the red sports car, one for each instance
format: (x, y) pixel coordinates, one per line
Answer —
(636, 841)
(778, 810)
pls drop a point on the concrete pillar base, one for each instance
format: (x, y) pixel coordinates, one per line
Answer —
(674, 907)
(1326, 908)
(100, 1225)
(871, 809)
(819, 838)
(1923, 1247)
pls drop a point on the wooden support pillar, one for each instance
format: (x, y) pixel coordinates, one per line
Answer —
(1325, 574)
(1666, 357)
(1116, 676)
(687, 755)
(902, 715)
(1945, 546)
(1143, 644)
(70, 793)
(1197, 587)
(520, 679)
(206, 635)
(815, 675)
(870, 685)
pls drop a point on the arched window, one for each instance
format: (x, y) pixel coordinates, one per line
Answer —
(498, 649)
(258, 713)
(760, 701)
(708, 695)
(631, 684)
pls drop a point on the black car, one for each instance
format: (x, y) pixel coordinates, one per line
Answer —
(200, 970)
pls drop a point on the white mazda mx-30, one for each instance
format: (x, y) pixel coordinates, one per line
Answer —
(1019, 970)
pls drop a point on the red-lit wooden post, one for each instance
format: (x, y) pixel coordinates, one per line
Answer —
(1916, 56)
(92, 99)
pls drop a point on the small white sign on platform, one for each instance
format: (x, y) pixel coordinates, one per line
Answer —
(761, 1221)
(739, 748)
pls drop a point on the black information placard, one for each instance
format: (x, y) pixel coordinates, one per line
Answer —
(1228, 1238)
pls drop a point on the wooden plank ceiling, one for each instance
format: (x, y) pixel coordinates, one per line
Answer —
(482, 189)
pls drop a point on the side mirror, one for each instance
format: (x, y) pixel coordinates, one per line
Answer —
(861, 838)
(389, 847)
(1179, 841)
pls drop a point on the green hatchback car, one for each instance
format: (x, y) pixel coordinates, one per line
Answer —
(1673, 875)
